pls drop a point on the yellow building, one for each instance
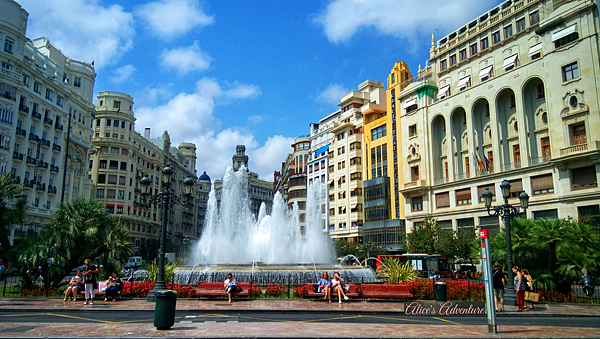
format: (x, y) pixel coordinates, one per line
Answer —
(383, 204)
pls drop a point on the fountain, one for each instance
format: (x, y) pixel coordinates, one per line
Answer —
(268, 248)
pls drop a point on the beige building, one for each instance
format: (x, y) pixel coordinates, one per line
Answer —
(511, 95)
(122, 157)
(40, 88)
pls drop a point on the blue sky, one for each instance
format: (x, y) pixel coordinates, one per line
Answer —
(223, 73)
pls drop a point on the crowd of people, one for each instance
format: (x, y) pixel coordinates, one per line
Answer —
(85, 280)
(522, 282)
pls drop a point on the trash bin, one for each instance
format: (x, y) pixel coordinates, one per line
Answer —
(441, 291)
(164, 309)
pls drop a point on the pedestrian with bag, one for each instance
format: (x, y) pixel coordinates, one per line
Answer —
(499, 287)
(89, 279)
(528, 288)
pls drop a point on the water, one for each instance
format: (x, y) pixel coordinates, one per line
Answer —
(233, 235)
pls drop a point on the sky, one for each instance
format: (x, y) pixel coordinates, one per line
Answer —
(225, 73)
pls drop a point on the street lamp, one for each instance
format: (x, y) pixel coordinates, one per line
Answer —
(163, 199)
(507, 211)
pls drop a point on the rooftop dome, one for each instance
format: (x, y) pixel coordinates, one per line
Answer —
(204, 177)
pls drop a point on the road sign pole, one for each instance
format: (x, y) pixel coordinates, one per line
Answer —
(489, 284)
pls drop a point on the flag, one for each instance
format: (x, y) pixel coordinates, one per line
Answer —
(482, 165)
(477, 162)
(487, 163)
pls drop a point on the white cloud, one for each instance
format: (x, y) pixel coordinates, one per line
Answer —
(122, 74)
(186, 59)
(190, 117)
(88, 31)
(341, 19)
(332, 94)
(170, 18)
(257, 119)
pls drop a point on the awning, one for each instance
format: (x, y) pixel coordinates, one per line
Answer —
(463, 82)
(442, 92)
(510, 61)
(486, 72)
(330, 182)
(535, 49)
(120, 206)
(110, 205)
(564, 32)
(322, 150)
(410, 103)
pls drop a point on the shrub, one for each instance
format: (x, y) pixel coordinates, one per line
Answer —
(422, 289)
(254, 291)
(40, 292)
(301, 291)
(394, 271)
(276, 291)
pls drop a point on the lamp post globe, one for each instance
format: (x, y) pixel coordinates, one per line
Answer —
(505, 188)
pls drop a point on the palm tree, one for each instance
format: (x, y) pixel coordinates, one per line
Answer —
(78, 230)
(549, 236)
(12, 207)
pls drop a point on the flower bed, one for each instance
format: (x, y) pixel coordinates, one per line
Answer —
(457, 290)
(276, 291)
(141, 289)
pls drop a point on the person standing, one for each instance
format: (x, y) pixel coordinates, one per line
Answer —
(89, 279)
(499, 287)
(528, 286)
(519, 288)
(230, 286)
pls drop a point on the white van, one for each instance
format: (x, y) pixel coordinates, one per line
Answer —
(134, 262)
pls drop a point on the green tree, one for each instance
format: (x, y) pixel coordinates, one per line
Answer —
(12, 208)
(423, 238)
(78, 230)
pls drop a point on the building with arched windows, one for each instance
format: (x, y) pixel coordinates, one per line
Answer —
(511, 95)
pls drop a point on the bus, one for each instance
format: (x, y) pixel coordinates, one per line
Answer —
(424, 263)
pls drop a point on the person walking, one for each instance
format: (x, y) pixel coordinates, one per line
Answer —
(519, 288)
(89, 279)
(499, 287)
(528, 286)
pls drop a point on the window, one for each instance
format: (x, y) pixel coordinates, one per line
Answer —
(540, 93)
(112, 179)
(534, 18)
(579, 135)
(124, 151)
(355, 161)
(117, 104)
(357, 192)
(355, 145)
(565, 37)
(49, 94)
(496, 37)
(116, 123)
(110, 208)
(122, 180)
(463, 197)
(484, 44)
(508, 32)
(331, 169)
(584, 178)
(341, 136)
(114, 150)
(517, 156)
(77, 82)
(122, 125)
(412, 130)
(443, 65)
(100, 194)
(473, 49)
(59, 100)
(520, 25)
(378, 132)
(542, 184)
(442, 200)
(8, 45)
(414, 173)
(342, 150)
(546, 155)
(393, 78)
(108, 122)
(356, 176)
(512, 103)
(341, 165)
(36, 87)
(570, 72)
(111, 194)
(101, 178)
(416, 204)
(453, 60)
(113, 164)
(463, 54)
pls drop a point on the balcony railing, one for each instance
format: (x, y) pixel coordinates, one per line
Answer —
(40, 187)
(48, 121)
(51, 189)
(540, 160)
(440, 181)
(18, 156)
(34, 137)
(43, 164)
(24, 109)
(511, 166)
(53, 168)
(58, 126)
(36, 115)
(28, 183)
(44, 142)
(573, 149)
(56, 147)
(31, 160)
(21, 132)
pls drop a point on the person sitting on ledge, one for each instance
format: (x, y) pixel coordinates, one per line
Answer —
(325, 286)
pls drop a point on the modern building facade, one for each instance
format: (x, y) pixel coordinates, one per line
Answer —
(512, 95)
(122, 157)
(42, 93)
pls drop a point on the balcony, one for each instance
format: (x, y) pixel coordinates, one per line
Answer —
(48, 121)
(58, 126)
(53, 168)
(43, 165)
(17, 180)
(44, 142)
(28, 183)
(33, 137)
(18, 156)
(414, 186)
(571, 150)
(541, 160)
(56, 147)
(23, 109)
(40, 187)
(21, 132)
(440, 181)
(51, 189)
(31, 161)
(36, 115)
(511, 166)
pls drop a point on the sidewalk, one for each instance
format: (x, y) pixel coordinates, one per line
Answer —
(412, 328)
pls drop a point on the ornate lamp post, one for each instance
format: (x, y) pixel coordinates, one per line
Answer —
(163, 199)
(507, 211)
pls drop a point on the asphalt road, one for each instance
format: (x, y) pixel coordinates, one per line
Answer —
(117, 317)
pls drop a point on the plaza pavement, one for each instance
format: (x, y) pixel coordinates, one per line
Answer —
(29, 307)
